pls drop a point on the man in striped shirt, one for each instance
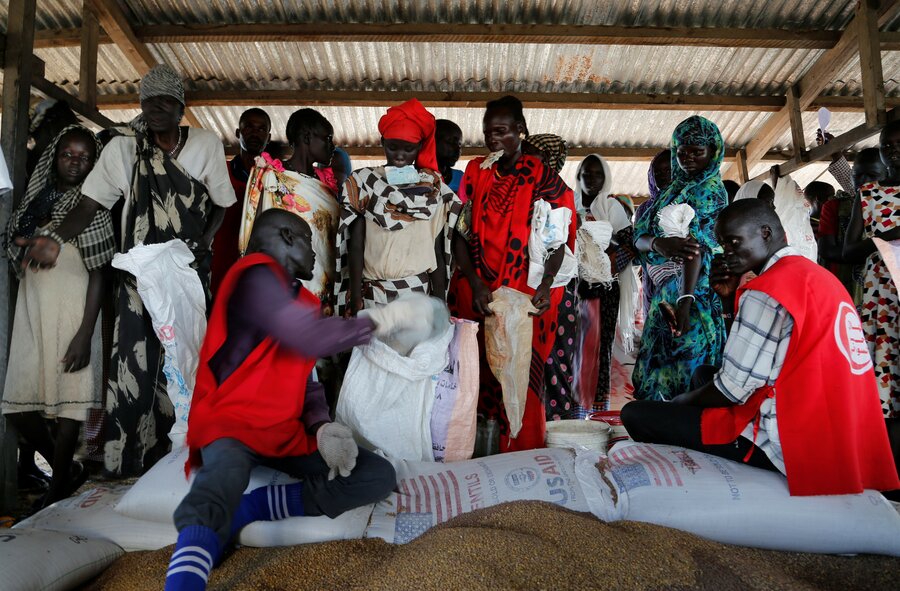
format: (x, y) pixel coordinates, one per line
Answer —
(733, 415)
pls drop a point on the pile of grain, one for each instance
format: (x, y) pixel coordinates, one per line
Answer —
(524, 545)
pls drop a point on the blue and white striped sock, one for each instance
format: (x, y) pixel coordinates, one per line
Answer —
(268, 503)
(196, 552)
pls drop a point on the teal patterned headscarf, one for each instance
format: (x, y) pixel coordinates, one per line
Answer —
(704, 192)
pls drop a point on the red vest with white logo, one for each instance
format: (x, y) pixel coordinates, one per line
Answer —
(832, 430)
(261, 403)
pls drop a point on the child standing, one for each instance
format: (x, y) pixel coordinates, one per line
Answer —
(56, 311)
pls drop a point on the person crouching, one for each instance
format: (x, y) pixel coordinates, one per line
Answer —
(256, 403)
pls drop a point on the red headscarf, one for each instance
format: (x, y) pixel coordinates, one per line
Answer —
(410, 122)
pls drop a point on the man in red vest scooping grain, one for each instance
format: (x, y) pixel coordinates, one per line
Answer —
(255, 402)
(796, 341)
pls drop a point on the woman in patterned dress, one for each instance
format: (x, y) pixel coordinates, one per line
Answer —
(875, 215)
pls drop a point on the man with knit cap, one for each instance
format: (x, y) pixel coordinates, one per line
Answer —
(174, 184)
(256, 403)
(397, 220)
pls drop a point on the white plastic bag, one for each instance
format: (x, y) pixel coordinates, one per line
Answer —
(429, 494)
(38, 560)
(675, 220)
(155, 496)
(549, 231)
(731, 502)
(174, 298)
(508, 337)
(387, 398)
(793, 211)
(593, 263)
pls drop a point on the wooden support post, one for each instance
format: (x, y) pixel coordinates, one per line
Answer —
(798, 140)
(740, 159)
(870, 62)
(90, 38)
(13, 138)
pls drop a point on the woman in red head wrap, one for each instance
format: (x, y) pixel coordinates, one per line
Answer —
(503, 189)
(397, 220)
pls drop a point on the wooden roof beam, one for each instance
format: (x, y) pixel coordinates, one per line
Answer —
(464, 33)
(114, 22)
(533, 100)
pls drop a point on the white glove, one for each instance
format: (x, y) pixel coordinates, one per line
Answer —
(413, 312)
(338, 449)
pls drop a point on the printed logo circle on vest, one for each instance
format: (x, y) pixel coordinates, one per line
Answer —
(851, 341)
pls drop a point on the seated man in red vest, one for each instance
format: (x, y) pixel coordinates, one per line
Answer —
(796, 342)
(256, 403)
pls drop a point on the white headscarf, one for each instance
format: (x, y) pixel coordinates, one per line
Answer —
(749, 190)
(608, 209)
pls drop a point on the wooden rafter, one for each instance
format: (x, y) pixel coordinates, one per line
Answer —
(87, 78)
(813, 83)
(534, 100)
(467, 33)
(121, 33)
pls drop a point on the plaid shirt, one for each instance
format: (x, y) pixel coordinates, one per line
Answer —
(753, 357)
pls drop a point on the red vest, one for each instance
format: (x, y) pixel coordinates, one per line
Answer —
(261, 403)
(832, 430)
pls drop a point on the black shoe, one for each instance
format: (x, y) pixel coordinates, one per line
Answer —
(31, 482)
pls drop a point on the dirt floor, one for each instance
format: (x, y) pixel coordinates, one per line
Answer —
(524, 545)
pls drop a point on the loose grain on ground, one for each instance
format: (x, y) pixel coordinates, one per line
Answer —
(523, 545)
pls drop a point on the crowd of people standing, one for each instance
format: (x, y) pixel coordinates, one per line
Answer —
(413, 224)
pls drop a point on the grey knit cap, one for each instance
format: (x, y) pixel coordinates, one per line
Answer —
(162, 80)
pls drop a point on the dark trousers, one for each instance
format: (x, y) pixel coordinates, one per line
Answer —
(220, 483)
(654, 421)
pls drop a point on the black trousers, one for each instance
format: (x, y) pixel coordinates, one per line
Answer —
(654, 421)
(219, 484)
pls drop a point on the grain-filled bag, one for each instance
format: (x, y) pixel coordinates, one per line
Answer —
(507, 342)
(731, 502)
(428, 494)
(174, 298)
(154, 497)
(387, 398)
(40, 560)
(455, 411)
(91, 515)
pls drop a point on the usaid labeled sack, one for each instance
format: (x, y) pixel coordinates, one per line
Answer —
(429, 494)
(154, 498)
(387, 398)
(90, 515)
(174, 298)
(38, 560)
(731, 502)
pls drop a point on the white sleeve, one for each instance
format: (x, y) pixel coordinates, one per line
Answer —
(214, 174)
(110, 180)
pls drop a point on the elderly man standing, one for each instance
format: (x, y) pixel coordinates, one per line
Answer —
(175, 184)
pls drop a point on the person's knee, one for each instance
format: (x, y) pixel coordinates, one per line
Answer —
(632, 419)
(702, 376)
(379, 474)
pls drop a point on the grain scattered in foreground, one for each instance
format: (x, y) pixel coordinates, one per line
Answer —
(523, 545)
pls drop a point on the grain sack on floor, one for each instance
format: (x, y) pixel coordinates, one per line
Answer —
(731, 502)
(455, 410)
(38, 560)
(387, 398)
(523, 545)
(155, 496)
(91, 515)
(429, 494)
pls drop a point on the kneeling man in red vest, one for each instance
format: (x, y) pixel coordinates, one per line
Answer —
(255, 402)
(797, 344)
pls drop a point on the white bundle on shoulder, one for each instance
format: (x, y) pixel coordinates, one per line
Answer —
(549, 231)
(675, 220)
(793, 211)
(592, 241)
